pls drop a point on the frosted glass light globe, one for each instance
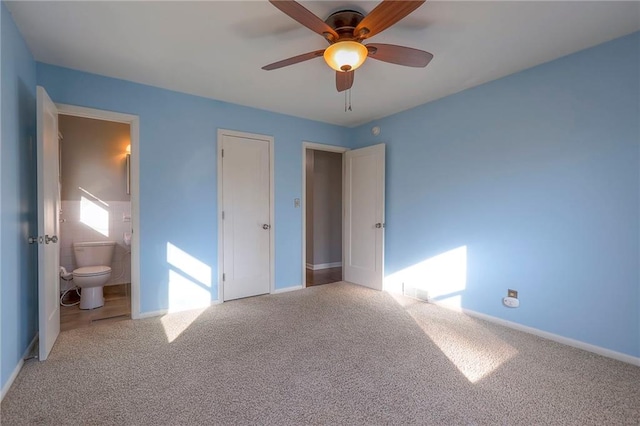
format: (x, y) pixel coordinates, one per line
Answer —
(345, 55)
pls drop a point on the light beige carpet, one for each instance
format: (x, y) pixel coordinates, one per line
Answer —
(333, 354)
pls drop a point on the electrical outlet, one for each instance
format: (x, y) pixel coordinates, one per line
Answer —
(511, 302)
(512, 293)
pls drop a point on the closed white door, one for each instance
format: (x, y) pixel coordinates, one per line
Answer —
(246, 215)
(364, 216)
(48, 223)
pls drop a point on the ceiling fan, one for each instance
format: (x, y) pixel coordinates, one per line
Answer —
(345, 31)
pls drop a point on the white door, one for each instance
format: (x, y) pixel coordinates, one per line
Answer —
(364, 216)
(246, 215)
(48, 223)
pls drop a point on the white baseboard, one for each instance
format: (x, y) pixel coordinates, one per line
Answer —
(546, 335)
(151, 314)
(318, 266)
(161, 312)
(16, 370)
(287, 289)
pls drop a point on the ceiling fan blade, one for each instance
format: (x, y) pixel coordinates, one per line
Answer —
(293, 60)
(344, 80)
(383, 16)
(299, 13)
(401, 55)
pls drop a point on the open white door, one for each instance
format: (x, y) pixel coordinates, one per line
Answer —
(48, 223)
(364, 216)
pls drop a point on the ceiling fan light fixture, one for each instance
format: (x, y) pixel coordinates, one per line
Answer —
(345, 55)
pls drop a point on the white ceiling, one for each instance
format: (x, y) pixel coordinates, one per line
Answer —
(216, 49)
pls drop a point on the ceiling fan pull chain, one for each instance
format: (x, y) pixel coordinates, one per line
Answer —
(345, 100)
(350, 100)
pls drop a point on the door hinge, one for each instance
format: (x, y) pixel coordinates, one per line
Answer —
(223, 215)
(224, 277)
(223, 153)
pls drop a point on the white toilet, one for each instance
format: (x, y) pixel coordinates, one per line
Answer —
(93, 260)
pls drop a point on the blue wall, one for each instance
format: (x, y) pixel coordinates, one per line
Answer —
(537, 174)
(178, 188)
(18, 198)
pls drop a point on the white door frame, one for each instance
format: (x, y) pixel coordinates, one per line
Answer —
(134, 128)
(272, 240)
(316, 147)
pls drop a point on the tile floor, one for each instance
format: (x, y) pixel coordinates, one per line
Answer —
(323, 276)
(117, 307)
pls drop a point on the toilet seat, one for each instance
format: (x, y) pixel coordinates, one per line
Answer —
(91, 271)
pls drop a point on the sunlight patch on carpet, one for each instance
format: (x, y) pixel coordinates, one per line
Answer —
(175, 324)
(476, 353)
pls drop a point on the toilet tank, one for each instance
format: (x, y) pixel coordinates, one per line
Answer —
(94, 253)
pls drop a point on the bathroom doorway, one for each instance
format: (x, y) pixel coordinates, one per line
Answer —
(323, 213)
(98, 206)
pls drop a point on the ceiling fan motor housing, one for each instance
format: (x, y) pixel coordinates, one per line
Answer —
(344, 22)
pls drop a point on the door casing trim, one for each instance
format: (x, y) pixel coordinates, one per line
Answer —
(134, 130)
(316, 147)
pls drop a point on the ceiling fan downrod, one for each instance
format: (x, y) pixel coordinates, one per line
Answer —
(347, 104)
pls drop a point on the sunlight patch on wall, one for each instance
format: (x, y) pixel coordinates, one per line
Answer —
(189, 281)
(440, 278)
(94, 216)
(189, 291)
(185, 294)
(191, 266)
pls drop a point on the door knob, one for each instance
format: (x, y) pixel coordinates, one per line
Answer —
(265, 226)
(378, 225)
(48, 239)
